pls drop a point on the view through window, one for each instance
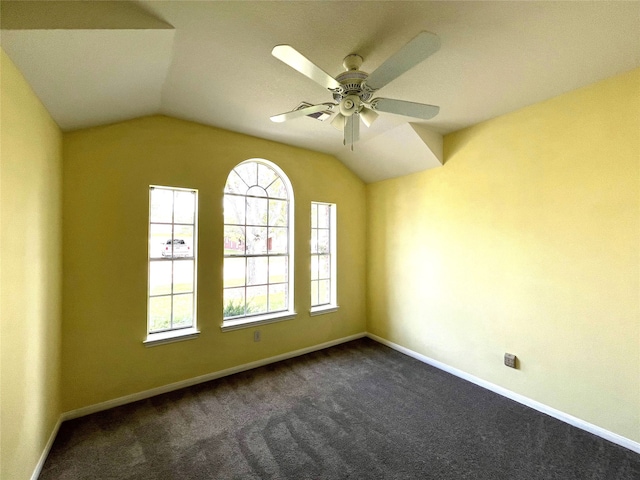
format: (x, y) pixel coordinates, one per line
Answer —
(323, 255)
(257, 243)
(172, 259)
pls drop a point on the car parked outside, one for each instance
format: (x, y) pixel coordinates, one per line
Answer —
(180, 248)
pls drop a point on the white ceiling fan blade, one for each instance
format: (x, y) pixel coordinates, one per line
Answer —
(414, 52)
(351, 130)
(283, 117)
(302, 64)
(400, 107)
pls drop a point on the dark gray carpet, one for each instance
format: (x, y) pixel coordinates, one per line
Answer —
(358, 410)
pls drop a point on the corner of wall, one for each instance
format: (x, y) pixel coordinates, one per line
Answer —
(30, 276)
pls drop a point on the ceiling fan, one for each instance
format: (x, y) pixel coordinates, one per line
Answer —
(353, 89)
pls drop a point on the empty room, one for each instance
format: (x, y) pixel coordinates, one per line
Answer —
(319, 240)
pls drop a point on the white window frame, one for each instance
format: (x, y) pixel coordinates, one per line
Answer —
(288, 313)
(179, 333)
(332, 304)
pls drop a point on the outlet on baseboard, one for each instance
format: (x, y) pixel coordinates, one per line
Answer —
(510, 360)
(256, 336)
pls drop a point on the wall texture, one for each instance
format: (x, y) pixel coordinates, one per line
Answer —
(108, 171)
(526, 241)
(30, 274)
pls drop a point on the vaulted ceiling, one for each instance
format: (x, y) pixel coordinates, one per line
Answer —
(93, 63)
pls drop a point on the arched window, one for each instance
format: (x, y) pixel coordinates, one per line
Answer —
(258, 245)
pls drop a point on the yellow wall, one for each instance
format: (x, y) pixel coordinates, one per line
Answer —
(30, 275)
(527, 242)
(107, 174)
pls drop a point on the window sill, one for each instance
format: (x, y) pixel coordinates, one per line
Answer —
(155, 339)
(323, 309)
(248, 322)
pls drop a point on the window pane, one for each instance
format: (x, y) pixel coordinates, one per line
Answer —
(257, 240)
(159, 313)
(257, 299)
(266, 176)
(277, 297)
(182, 241)
(257, 270)
(234, 272)
(324, 266)
(184, 207)
(256, 211)
(160, 241)
(324, 291)
(183, 276)
(314, 241)
(314, 292)
(278, 269)
(183, 310)
(248, 172)
(323, 216)
(159, 278)
(235, 184)
(161, 205)
(314, 215)
(233, 302)
(234, 210)
(278, 241)
(278, 213)
(277, 190)
(314, 267)
(234, 240)
(257, 191)
(323, 241)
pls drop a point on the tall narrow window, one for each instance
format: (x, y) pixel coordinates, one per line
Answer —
(323, 258)
(258, 245)
(172, 263)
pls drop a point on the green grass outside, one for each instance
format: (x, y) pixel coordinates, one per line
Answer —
(258, 304)
(160, 316)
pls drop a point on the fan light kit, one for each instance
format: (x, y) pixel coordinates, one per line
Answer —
(353, 89)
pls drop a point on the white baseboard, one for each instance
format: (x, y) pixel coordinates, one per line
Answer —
(116, 402)
(565, 417)
(47, 449)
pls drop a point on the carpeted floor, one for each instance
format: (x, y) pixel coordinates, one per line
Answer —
(359, 411)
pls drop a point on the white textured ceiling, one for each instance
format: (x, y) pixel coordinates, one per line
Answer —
(98, 62)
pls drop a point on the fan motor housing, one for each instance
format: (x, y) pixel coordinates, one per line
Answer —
(351, 82)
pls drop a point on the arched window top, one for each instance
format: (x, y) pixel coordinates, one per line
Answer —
(258, 178)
